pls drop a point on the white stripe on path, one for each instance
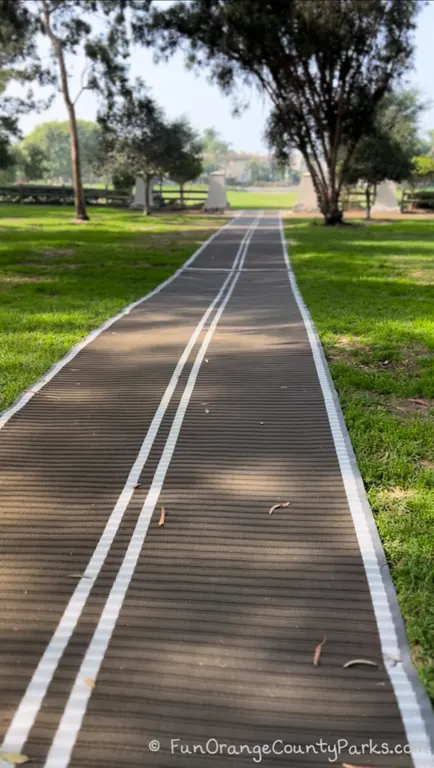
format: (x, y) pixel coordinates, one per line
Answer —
(413, 721)
(70, 724)
(31, 702)
(24, 399)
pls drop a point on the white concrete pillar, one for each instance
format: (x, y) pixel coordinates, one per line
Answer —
(217, 200)
(386, 200)
(307, 201)
(139, 194)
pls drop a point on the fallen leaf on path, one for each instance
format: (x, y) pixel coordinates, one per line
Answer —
(278, 506)
(137, 485)
(318, 650)
(90, 682)
(206, 360)
(78, 576)
(353, 663)
(206, 410)
(284, 387)
(14, 758)
(162, 517)
(419, 401)
(392, 658)
(42, 394)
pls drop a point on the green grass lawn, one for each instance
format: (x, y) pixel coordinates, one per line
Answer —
(60, 280)
(239, 199)
(370, 290)
(262, 200)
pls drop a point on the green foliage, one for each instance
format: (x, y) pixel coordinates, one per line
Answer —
(183, 156)
(137, 140)
(423, 170)
(325, 65)
(99, 27)
(398, 116)
(18, 62)
(52, 139)
(31, 162)
(215, 150)
(387, 152)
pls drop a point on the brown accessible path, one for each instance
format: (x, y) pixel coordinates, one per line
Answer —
(126, 642)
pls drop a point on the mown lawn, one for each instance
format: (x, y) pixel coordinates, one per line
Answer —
(239, 199)
(370, 290)
(60, 280)
(263, 200)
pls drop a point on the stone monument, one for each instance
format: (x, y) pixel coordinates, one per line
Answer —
(217, 200)
(307, 201)
(386, 200)
(139, 194)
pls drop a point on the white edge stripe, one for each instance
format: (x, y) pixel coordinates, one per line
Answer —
(46, 377)
(415, 728)
(31, 702)
(75, 709)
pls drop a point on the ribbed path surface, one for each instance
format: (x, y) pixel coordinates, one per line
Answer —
(216, 635)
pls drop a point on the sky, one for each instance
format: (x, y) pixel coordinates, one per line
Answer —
(179, 92)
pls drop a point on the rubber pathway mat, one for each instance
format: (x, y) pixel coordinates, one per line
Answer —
(192, 643)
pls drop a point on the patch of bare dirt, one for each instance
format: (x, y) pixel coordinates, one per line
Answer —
(51, 253)
(168, 238)
(40, 265)
(20, 279)
(408, 407)
(423, 276)
(426, 464)
(396, 499)
(352, 352)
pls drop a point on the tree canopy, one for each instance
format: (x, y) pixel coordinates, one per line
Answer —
(183, 158)
(324, 65)
(423, 170)
(138, 140)
(387, 152)
(215, 150)
(18, 62)
(99, 29)
(53, 140)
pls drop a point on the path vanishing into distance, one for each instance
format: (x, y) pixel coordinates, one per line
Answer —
(193, 644)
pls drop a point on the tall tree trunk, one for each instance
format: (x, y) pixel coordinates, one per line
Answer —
(181, 189)
(79, 200)
(328, 193)
(329, 206)
(368, 201)
(147, 208)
